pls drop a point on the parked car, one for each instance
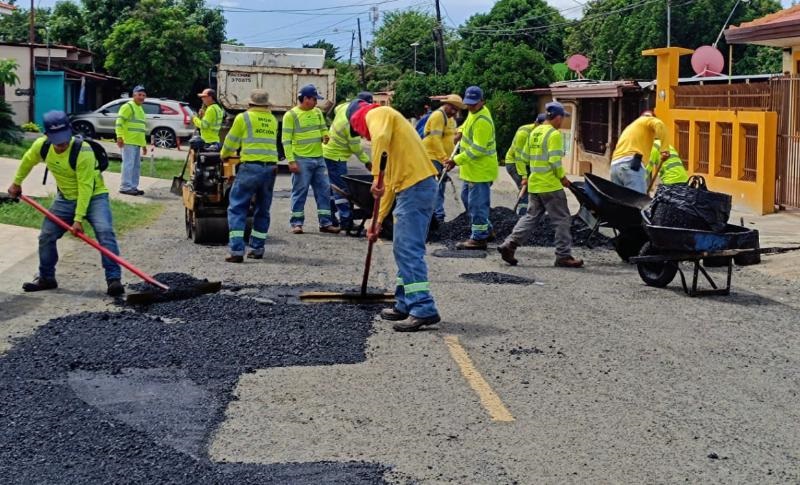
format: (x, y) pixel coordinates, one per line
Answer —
(167, 120)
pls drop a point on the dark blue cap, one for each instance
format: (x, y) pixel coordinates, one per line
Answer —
(354, 106)
(555, 109)
(309, 91)
(473, 95)
(541, 118)
(366, 96)
(57, 127)
(139, 88)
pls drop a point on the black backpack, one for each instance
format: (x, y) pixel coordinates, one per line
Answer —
(99, 152)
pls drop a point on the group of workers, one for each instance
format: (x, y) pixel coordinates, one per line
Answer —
(317, 157)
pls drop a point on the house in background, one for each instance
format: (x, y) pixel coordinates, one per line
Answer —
(7, 8)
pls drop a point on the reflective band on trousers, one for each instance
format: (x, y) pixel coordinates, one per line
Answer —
(324, 212)
(236, 234)
(258, 235)
(399, 281)
(480, 227)
(416, 287)
(298, 214)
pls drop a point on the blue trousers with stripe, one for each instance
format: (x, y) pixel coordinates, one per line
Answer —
(476, 197)
(339, 203)
(313, 174)
(412, 216)
(252, 180)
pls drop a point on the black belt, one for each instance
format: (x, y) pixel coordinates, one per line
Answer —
(257, 162)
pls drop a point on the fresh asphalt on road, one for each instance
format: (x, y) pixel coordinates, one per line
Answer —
(584, 376)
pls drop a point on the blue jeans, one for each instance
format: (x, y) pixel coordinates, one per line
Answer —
(252, 179)
(339, 203)
(314, 174)
(438, 208)
(131, 167)
(523, 201)
(476, 197)
(623, 174)
(98, 215)
(412, 216)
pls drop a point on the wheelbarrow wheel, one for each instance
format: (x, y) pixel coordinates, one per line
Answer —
(658, 275)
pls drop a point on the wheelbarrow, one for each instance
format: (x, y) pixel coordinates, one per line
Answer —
(361, 202)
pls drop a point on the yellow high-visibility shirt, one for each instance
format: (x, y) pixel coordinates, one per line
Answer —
(256, 132)
(638, 137)
(302, 133)
(210, 123)
(516, 152)
(407, 162)
(439, 135)
(478, 157)
(131, 124)
(545, 149)
(672, 170)
(342, 144)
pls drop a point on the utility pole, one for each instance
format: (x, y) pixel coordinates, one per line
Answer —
(440, 39)
(32, 59)
(669, 23)
(415, 45)
(361, 55)
(375, 16)
(352, 41)
(610, 64)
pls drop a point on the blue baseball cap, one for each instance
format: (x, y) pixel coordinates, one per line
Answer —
(139, 89)
(555, 109)
(541, 118)
(366, 96)
(473, 95)
(57, 127)
(309, 91)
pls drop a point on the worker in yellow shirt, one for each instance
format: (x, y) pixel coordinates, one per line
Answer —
(438, 138)
(516, 163)
(670, 169)
(410, 184)
(210, 120)
(634, 146)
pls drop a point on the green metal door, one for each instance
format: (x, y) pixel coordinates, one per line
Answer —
(49, 94)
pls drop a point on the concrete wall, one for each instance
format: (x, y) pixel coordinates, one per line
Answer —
(21, 55)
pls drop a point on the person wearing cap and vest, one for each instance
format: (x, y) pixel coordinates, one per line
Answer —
(544, 150)
(255, 134)
(337, 152)
(303, 134)
(82, 197)
(516, 164)
(209, 120)
(478, 167)
(131, 128)
(635, 143)
(672, 171)
(439, 141)
(409, 185)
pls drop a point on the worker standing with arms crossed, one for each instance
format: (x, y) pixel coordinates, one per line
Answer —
(439, 141)
(82, 197)
(410, 183)
(131, 130)
(303, 133)
(545, 149)
(478, 167)
(635, 143)
(209, 120)
(516, 165)
(337, 152)
(255, 134)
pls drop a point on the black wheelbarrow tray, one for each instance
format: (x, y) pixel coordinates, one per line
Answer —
(361, 202)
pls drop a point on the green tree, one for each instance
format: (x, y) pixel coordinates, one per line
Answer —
(156, 45)
(101, 16)
(347, 81)
(398, 31)
(505, 66)
(8, 72)
(509, 111)
(331, 51)
(67, 24)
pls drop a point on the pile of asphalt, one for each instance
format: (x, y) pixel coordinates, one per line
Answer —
(497, 278)
(503, 220)
(132, 397)
(457, 253)
(181, 287)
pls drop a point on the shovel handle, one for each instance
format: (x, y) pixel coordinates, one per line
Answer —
(91, 242)
(444, 172)
(373, 225)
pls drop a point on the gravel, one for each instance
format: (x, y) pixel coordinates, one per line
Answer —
(503, 220)
(458, 253)
(497, 278)
(131, 397)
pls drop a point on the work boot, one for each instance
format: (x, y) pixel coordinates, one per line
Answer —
(569, 262)
(39, 284)
(492, 236)
(471, 244)
(393, 314)
(234, 259)
(507, 250)
(139, 192)
(297, 229)
(415, 323)
(133, 192)
(330, 229)
(255, 255)
(115, 287)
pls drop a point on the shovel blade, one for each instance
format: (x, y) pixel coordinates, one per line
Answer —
(155, 296)
(177, 186)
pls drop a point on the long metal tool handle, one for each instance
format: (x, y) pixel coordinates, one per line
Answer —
(522, 192)
(444, 172)
(374, 225)
(91, 242)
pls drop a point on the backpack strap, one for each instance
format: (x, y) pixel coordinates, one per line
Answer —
(74, 151)
(45, 148)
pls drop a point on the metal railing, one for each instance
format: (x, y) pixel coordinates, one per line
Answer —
(753, 97)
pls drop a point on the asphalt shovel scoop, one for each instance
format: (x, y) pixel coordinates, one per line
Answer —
(177, 182)
(165, 293)
(363, 296)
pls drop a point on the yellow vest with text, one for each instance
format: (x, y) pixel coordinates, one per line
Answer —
(256, 132)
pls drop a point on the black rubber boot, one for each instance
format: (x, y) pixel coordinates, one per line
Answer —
(40, 284)
(115, 288)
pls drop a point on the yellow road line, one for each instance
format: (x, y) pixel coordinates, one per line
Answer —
(489, 399)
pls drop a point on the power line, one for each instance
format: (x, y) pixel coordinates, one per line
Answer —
(304, 11)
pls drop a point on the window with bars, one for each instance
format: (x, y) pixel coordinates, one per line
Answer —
(726, 150)
(594, 125)
(703, 147)
(750, 167)
(682, 141)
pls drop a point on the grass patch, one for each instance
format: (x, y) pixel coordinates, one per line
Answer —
(10, 150)
(126, 216)
(163, 168)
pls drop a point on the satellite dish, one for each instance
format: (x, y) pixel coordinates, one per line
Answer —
(707, 61)
(578, 63)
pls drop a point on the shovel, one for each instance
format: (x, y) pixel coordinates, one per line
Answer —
(521, 194)
(177, 182)
(363, 296)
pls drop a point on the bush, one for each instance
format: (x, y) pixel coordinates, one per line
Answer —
(9, 131)
(31, 127)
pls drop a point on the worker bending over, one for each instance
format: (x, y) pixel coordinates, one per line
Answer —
(82, 197)
(410, 184)
(670, 168)
(337, 152)
(478, 167)
(209, 120)
(438, 138)
(635, 143)
(516, 165)
(545, 149)
(255, 134)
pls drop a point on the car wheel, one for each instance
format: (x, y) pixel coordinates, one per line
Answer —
(163, 138)
(83, 128)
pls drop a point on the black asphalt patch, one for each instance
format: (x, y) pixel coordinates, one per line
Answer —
(497, 278)
(128, 397)
(458, 253)
(181, 287)
(503, 220)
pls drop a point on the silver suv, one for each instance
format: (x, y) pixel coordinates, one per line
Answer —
(167, 120)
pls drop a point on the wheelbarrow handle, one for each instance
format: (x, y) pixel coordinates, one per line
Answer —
(91, 242)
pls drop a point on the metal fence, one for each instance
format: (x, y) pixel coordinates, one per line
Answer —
(785, 92)
(755, 97)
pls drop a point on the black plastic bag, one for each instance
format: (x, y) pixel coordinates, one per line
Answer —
(690, 206)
